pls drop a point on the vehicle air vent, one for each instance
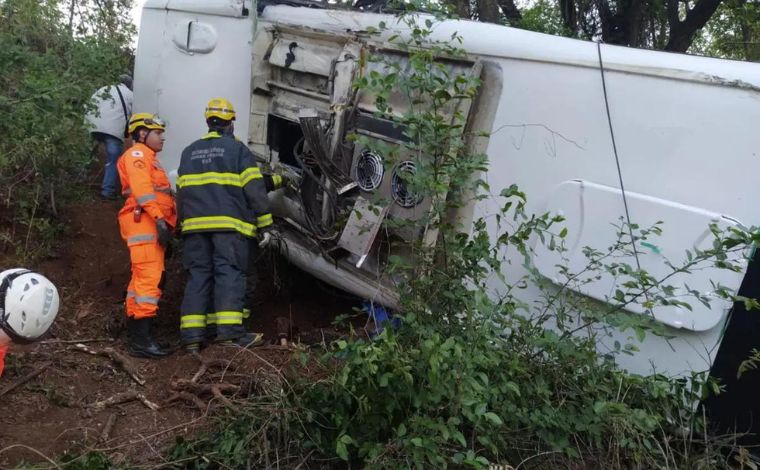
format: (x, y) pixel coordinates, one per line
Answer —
(400, 192)
(369, 170)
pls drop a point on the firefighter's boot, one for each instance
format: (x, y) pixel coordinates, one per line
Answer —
(141, 341)
(248, 340)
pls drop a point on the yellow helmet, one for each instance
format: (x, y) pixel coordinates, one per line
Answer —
(147, 120)
(220, 108)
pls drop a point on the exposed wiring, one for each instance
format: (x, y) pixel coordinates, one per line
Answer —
(314, 222)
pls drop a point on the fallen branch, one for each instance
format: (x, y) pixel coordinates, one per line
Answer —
(178, 428)
(298, 467)
(122, 398)
(115, 356)
(207, 364)
(187, 397)
(290, 346)
(106, 434)
(216, 390)
(25, 379)
(73, 341)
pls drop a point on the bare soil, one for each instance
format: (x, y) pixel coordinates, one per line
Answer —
(52, 414)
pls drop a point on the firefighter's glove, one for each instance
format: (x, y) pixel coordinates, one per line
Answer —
(164, 232)
(288, 179)
(264, 236)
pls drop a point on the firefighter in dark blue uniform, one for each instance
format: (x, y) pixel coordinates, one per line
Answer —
(222, 204)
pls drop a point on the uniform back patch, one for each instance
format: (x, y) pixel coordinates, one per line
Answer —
(137, 153)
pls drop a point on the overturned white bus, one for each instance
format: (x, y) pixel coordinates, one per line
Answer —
(684, 128)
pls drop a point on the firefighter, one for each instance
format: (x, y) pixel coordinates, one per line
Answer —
(223, 204)
(28, 306)
(147, 221)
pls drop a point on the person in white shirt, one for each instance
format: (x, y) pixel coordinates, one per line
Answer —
(112, 106)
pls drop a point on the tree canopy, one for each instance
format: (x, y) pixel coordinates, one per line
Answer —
(722, 28)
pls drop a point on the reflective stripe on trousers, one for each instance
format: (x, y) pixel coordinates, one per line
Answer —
(142, 299)
(192, 321)
(216, 263)
(147, 266)
(229, 318)
(139, 238)
(196, 328)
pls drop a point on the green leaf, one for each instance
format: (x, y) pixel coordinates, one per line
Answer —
(640, 333)
(494, 418)
(341, 450)
(383, 382)
(513, 387)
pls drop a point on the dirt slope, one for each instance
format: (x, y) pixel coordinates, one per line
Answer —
(51, 414)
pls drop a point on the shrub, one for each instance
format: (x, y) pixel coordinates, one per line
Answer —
(52, 62)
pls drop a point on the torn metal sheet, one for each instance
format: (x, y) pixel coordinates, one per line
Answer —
(361, 228)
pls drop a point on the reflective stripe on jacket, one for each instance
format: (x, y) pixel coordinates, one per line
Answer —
(145, 183)
(273, 182)
(220, 188)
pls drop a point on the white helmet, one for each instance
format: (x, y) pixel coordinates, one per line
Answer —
(28, 304)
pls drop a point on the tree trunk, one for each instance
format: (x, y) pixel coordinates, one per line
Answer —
(605, 17)
(633, 24)
(488, 11)
(569, 14)
(71, 16)
(510, 10)
(624, 26)
(682, 32)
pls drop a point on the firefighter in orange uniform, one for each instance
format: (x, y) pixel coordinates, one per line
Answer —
(147, 221)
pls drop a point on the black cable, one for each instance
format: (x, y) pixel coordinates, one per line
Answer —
(617, 159)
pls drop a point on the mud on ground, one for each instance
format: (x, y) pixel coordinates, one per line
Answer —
(64, 408)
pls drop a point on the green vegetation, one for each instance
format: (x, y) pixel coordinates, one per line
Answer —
(469, 379)
(52, 60)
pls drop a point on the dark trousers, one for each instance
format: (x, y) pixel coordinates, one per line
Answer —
(217, 263)
(250, 288)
